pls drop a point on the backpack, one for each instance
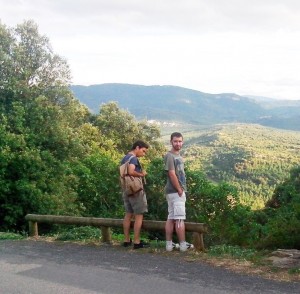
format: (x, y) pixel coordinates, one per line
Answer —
(129, 184)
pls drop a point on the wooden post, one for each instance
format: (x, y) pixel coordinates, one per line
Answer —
(198, 241)
(106, 234)
(33, 229)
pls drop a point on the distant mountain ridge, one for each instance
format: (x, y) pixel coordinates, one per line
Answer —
(172, 103)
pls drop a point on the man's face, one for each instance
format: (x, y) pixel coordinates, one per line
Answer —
(177, 143)
(141, 151)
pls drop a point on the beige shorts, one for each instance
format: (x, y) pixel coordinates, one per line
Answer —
(176, 206)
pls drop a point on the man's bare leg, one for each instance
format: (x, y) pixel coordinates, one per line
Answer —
(126, 226)
(137, 228)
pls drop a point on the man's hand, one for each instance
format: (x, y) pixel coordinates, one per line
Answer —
(180, 192)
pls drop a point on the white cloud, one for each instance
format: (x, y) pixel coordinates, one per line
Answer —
(213, 46)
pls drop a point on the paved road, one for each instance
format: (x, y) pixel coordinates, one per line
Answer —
(54, 267)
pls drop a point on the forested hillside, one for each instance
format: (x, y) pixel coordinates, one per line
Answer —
(177, 104)
(253, 158)
(170, 103)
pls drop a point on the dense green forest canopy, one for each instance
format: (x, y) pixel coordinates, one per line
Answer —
(253, 158)
(56, 157)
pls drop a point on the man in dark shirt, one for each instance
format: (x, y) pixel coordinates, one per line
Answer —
(135, 205)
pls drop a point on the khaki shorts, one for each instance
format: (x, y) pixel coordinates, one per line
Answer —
(176, 206)
(136, 204)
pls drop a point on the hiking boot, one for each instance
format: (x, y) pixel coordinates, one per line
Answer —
(142, 244)
(127, 244)
(184, 246)
(170, 247)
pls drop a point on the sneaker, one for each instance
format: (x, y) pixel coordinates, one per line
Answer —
(127, 244)
(142, 244)
(184, 246)
(170, 247)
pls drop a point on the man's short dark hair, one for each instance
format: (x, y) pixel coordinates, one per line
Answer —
(140, 144)
(177, 135)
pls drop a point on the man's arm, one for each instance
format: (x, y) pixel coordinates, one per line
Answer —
(133, 173)
(175, 182)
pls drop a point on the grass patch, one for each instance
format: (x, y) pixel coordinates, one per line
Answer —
(232, 251)
(294, 271)
(236, 252)
(84, 233)
(11, 236)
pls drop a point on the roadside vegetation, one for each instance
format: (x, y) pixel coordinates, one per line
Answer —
(11, 236)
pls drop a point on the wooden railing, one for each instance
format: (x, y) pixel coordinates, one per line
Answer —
(198, 229)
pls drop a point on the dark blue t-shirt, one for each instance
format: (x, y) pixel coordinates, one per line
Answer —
(134, 160)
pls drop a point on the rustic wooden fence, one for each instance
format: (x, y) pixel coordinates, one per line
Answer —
(198, 229)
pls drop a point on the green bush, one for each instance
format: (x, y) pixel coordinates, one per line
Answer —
(11, 236)
(282, 229)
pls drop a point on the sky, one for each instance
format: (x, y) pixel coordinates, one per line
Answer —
(213, 46)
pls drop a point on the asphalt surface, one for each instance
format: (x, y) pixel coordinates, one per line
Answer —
(29, 266)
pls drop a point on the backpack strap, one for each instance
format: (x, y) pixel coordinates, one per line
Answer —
(126, 166)
(126, 169)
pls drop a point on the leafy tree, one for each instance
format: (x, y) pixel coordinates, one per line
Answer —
(39, 118)
(218, 206)
(287, 192)
(32, 181)
(98, 187)
(156, 180)
(29, 67)
(121, 127)
(283, 226)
